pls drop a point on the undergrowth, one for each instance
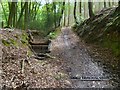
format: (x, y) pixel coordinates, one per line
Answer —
(54, 34)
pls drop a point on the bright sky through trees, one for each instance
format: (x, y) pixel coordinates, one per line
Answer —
(44, 1)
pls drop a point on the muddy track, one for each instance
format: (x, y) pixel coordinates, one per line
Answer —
(83, 71)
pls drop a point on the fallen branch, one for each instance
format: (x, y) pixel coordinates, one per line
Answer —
(23, 66)
(49, 56)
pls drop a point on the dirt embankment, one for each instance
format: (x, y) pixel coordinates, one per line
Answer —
(19, 69)
(102, 34)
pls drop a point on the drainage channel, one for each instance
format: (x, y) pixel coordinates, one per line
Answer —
(39, 46)
(40, 51)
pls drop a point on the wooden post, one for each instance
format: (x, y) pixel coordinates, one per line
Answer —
(2, 24)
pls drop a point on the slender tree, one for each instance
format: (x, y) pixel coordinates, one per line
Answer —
(64, 19)
(109, 3)
(80, 9)
(10, 14)
(21, 13)
(54, 11)
(36, 10)
(68, 12)
(119, 4)
(62, 12)
(14, 13)
(105, 4)
(113, 2)
(47, 10)
(16, 8)
(84, 9)
(75, 12)
(91, 14)
(26, 16)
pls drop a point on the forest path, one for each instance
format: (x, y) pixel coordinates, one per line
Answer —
(83, 71)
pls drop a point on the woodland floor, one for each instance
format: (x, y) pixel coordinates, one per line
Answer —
(73, 66)
(48, 73)
(82, 67)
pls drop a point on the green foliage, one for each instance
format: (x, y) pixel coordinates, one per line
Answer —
(36, 24)
(53, 35)
(29, 53)
(80, 19)
(41, 19)
(6, 42)
(113, 45)
(10, 42)
(13, 42)
(4, 12)
(44, 21)
(24, 38)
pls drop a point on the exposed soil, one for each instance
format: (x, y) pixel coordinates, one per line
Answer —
(73, 66)
(47, 73)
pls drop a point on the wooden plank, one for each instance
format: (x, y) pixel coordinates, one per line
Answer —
(40, 43)
(37, 46)
(91, 78)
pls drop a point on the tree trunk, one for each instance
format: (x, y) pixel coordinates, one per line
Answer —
(119, 4)
(9, 24)
(64, 19)
(16, 6)
(32, 9)
(109, 3)
(113, 3)
(75, 12)
(118, 8)
(80, 9)
(68, 12)
(62, 11)
(47, 9)
(91, 14)
(26, 16)
(54, 10)
(84, 10)
(14, 13)
(35, 10)
(21, 14)
(105, 4)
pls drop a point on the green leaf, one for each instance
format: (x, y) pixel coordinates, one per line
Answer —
(6, 42)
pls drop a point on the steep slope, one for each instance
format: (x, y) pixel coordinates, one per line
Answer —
(19, 69)
(103, 33)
